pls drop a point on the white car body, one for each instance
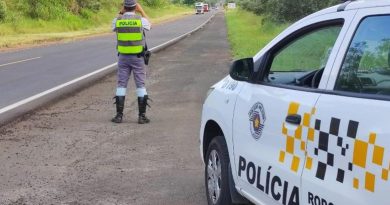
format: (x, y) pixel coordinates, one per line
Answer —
(307, 163)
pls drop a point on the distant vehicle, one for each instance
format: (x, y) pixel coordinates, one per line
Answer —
(304, 121)
(206, 8)
(199, 8)
(232, 6)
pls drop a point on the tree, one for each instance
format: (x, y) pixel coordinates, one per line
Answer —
(3, 10)
(189, 2)
(285, 10)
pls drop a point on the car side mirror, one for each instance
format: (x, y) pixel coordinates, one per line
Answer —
(242, 70)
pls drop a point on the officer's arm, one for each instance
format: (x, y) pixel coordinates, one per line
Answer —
(146, 24)
(145, 19)
(113, 25)
(139, 9)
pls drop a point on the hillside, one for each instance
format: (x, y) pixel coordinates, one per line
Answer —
(34, 21)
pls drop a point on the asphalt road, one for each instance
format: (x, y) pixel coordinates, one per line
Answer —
(24, 73)
(70, 153)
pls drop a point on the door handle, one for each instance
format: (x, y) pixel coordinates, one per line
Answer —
(294, 119)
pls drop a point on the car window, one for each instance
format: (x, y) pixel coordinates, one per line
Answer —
(302, 61)
(366, 68)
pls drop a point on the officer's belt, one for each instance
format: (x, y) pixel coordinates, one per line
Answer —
(139, 55)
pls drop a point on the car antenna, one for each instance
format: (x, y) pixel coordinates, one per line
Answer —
(344, 4)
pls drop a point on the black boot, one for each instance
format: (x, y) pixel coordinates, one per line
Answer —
(142, 103)
(120, 105)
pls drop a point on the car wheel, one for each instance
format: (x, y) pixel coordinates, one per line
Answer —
(217, 173)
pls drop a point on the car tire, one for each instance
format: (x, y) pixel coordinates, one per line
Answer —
(217, 173)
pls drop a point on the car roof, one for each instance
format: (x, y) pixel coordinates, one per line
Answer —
(367, 4)
(351, 5)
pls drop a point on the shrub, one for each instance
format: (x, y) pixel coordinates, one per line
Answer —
(285, 10)
(155, 3)
(189, 2)
(47, 9)
(20, 8)
(73, 6)
(3, 10)
(111, 3)
(256, 6)
(86, 13)
(94, 5)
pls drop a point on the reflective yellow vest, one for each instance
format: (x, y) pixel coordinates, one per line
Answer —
(130, 35)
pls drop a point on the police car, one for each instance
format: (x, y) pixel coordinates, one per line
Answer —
(306, 120)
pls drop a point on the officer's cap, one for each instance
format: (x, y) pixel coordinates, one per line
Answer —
(129, 3)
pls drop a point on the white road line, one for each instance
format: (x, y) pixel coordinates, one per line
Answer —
(21, 61)
(27, 100)
(186, 34)
(32, 98)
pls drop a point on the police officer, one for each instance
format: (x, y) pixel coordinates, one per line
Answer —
(131, 44)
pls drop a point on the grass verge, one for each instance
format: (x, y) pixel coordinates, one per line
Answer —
(248, 33)
(27, 31)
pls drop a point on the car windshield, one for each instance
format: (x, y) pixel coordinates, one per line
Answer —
(298, 62)
(366, 68)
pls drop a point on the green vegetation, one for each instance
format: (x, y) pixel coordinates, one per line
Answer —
(257, 22)
(167, 12)
(300, 55)
(34, 21)
(248, 33)
(3, 10)
(285, 10)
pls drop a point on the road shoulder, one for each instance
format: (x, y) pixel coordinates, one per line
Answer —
(70, 153)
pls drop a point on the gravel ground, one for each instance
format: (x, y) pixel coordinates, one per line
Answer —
(70, 152)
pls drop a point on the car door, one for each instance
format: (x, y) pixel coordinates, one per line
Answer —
(348, 159)
(272, 115)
